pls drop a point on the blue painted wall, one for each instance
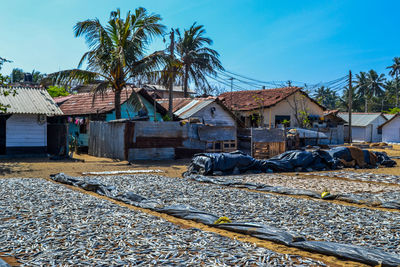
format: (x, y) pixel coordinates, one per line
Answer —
(127, 111)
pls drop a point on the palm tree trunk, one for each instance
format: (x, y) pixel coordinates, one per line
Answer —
(185, 81)
(366, 104)
(117, 100)
(397, 91)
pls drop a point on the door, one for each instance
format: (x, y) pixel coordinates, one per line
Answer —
(3, 121)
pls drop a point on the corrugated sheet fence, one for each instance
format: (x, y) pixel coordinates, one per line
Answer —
(144, 140)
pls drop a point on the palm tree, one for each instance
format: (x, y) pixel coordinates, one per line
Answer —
(362, 88)
(117, 53)
(395, 70)
(197, 60)
(375, 83)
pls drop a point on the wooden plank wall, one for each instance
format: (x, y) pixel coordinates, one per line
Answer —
(266, 143)
(265, 150)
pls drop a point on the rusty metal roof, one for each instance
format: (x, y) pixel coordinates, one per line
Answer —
(29, 100)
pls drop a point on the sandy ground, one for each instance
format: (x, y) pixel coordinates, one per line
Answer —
(43, 167)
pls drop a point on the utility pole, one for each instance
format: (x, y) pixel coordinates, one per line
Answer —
(171, 75)
(350, 106)
(231, 92)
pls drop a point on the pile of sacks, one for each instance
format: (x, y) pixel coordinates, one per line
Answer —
(289, 161)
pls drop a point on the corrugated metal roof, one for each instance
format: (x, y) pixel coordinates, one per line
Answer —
(389, 116)
(190, 111)
(186, 107)
(175, 88)
(30, 100)
(359, 119)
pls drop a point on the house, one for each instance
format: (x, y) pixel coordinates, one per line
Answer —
(23, 126)
(80, 109)
(364, 126)
(273, 107)
(155, 90)
(208, 110)
(391, 129)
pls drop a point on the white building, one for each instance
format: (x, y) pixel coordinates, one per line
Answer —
(23, 125)
(391, 130)
(207, 110)
(364, 126)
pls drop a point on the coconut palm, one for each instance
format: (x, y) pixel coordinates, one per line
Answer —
(117, 53)
(375, 83)
(197, 59)
(394, 71)
(362, 88)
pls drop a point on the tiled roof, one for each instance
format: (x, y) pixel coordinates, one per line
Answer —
(60, 99)
(30, 100)
(360, 119)
(254, 99)
(80, 104)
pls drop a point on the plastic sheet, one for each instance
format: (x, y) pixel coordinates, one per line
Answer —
(189, 213)
(289, 161)
(4, 264)
(369, 256)
(261, 231)
(349, 252)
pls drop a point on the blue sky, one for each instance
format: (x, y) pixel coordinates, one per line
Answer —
(307, 41)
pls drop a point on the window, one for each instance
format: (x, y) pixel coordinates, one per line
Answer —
(281, 119)
(379, 130)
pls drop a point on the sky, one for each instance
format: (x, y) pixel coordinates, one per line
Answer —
(307, 41)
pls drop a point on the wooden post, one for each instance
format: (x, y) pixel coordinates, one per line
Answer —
(172, 78)
(350, 106)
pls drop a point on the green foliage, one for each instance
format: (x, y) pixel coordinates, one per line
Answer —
(326, 97)
(166, 117)
(286, 123)
(394, 110)
(17, 75)
(117, 53)
(304, 119)
(55, 91)
(197, 59)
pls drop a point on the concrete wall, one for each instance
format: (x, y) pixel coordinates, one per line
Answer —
(219, 117)
(285, 108)
(391, 131)
(23, 130)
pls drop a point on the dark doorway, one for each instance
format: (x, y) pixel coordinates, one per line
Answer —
(57, 139)
(3, 121)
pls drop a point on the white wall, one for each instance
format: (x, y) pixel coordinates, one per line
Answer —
(358, 134)
(391, 131)
(23, 130)
(286, 108)
(220, 117)
(375, 123)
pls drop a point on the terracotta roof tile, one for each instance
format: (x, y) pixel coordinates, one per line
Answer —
(247, 100)
(83, 103)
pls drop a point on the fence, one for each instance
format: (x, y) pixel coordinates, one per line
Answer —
(266, 143)
(144, 140)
